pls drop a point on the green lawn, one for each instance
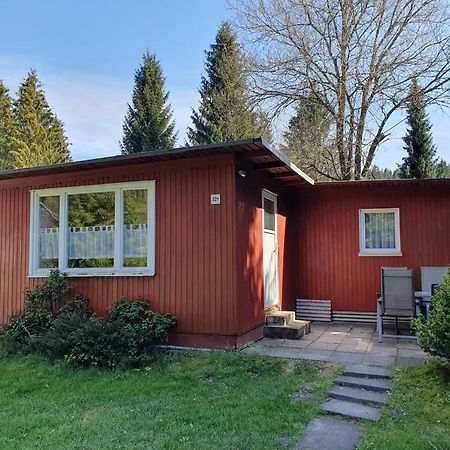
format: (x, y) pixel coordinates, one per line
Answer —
(198, 400)
(417, 415)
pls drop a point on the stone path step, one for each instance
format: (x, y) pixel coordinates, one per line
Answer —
(351, 409)
(371, 384)
(330, 433)
(361, 370)
(294, 330)
(358, 395)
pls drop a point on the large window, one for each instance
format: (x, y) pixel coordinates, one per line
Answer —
(379, 231)
(94, 230)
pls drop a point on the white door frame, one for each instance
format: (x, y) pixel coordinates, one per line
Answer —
(268, 303)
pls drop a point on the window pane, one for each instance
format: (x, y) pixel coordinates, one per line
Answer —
(135, 229)
(48, 231)
(269, 214)
(380, 230)
(91, 230)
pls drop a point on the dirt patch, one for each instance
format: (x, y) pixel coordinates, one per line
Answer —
(207, 377)
(302, 396)
(284, 440)
(329, 369)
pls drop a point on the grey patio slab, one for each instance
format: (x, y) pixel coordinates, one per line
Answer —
(347, 358)
(381, 349)
(330, 433)
(411, 353)
(294, 343)
(315, 355)
(331, 338)
(318, 345)
(377, 360)
(407, 343)
(352, 348)
(409, 361)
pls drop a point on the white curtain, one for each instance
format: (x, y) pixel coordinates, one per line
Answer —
(380, 230)
(94, 242)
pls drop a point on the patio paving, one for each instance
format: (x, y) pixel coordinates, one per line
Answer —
(345, 343)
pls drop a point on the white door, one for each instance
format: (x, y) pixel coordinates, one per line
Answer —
(270, 249)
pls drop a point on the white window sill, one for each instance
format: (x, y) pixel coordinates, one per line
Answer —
(380, 253)
(96, 274)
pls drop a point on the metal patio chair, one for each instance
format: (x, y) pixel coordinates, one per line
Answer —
(432, 276)
(396, 300)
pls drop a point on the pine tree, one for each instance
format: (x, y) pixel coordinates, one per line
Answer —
(224, 113)
(40, 137)
(307, 141)
(421, 161)
(148, 124)
(442, 169)
(8, 128)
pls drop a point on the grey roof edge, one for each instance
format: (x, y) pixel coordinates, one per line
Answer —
(76, 165)
(287, 161)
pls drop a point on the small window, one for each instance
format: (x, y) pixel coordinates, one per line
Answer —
(94, 230)
(269, 214)
(379, 231)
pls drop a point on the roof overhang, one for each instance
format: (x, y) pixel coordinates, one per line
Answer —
(256, 151)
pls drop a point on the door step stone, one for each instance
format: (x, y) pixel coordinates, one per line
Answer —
(351, 409)
(358, 395)
(294, 330)
(330, 433)
(361, 370)
(280, 318)
(370, 384)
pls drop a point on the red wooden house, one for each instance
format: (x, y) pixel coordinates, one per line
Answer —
(215, 235)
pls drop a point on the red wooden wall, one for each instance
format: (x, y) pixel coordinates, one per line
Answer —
(328, 265)
(195, 243)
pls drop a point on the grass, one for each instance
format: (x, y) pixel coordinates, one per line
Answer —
(417, 415)
(200, 400)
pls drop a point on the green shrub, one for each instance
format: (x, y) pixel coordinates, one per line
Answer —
(61, 327)
(124, 339)
(434, 333)
(42, 305)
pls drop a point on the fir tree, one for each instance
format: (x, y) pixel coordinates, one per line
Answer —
(148, 124)
(442, 169)
(40, 136)
(421, 161)
(224, 113)
(8, 128)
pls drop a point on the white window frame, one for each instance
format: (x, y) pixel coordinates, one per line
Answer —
(363, 251)
(118, 269)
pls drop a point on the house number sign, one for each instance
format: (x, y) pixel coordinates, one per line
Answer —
(215, 199)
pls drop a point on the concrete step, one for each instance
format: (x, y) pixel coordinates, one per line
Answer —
(280, 318)
(358, 395)
(351, 409)
(370, 384)
(295, 330)
(361, 370)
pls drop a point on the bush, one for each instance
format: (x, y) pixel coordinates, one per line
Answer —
(42, 305)
(61, 327)
(434, 334)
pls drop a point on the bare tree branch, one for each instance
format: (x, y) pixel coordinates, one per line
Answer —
(355, 58)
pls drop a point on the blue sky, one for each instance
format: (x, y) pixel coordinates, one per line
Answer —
(86, 52)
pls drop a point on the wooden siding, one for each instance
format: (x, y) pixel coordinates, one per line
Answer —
(328, 266)
(195, 252)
